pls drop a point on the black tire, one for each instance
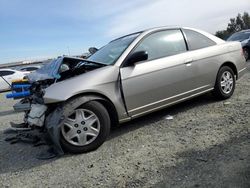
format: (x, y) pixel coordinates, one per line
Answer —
(246, 52)
(100, 111)
(218, 89)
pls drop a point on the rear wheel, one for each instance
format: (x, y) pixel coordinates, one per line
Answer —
(225, 83)
(86, 128)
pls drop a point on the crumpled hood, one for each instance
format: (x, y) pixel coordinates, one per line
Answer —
(48, 71)
(87, 82)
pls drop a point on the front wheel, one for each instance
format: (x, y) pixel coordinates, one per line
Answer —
(225, 83)
(86, 128)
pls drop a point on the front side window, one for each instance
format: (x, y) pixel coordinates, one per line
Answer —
(197, 40)
(6, 73)
(162, 44)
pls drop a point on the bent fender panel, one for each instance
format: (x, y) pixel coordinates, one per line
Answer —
(88, 82)
(55, 120)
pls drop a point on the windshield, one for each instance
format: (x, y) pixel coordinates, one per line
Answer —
(109, 54)
(239, 36)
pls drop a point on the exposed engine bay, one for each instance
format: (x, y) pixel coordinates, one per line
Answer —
(42, 118)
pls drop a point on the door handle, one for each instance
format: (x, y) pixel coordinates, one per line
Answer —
(188, 62)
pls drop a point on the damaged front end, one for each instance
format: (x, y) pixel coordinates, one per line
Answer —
(46, 118)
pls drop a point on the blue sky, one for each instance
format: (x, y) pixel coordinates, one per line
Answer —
(35, 29)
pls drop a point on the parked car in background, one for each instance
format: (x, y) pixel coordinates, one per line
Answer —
(81, 99)
(244, 38)
(6, 77)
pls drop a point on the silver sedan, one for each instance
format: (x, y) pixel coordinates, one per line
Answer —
(137, 74)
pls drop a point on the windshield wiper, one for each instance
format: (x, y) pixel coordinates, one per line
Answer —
(95, 62)
(84, 60)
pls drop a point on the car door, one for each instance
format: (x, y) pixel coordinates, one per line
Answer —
(160, 80)
(203, 54)
(3, 84)
(5, 77)
(17, 76)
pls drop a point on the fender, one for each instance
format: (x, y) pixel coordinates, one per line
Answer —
(77, 101)
(55, 119)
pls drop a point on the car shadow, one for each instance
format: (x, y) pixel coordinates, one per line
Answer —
(161, 114)
(18, 157)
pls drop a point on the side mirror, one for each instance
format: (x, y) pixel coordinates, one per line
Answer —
(93, 50)
(136, 57)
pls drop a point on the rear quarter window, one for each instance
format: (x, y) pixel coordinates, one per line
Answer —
(6, 73)
(197, 40)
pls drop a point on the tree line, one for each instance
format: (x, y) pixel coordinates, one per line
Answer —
(240, 22)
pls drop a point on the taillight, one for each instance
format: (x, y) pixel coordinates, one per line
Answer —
(242, 52)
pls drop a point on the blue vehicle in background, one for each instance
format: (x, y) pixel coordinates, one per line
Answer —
(244, 38)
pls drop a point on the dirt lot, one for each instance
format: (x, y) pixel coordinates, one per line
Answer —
(207, 144)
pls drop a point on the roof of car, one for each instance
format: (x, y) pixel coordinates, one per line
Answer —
(8, 70)
(163, 27)
(148, 30)
(209, 35)
(243, 31)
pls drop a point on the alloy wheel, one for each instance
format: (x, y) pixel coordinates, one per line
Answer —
(227, 82)
(81, 128)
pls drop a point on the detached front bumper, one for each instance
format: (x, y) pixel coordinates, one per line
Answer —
(45, 117)
(37, 114)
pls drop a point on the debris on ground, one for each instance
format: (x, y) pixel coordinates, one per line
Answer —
(169, 117)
